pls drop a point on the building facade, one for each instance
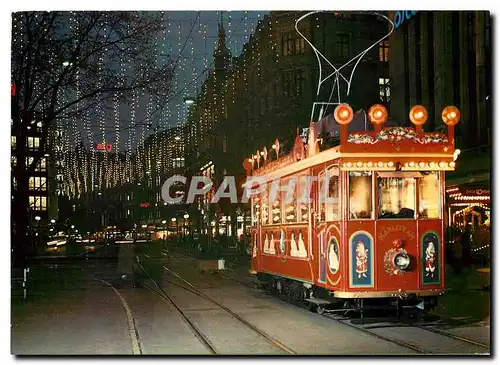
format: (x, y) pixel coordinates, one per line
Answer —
(43, 183)
(444, 58)
(268, 92)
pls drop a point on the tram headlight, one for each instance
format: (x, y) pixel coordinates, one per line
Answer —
(402, 261)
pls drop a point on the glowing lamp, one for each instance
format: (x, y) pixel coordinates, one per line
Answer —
(377, 114)
(343, 114)
(390, 164)
(369, 164)
(422, 164)
(250, 160)
(411, 164)
(359, 163)
(348, 164)
(452, 164)
(431, 164)
(450, 115)
(380, 164)
(418, 115)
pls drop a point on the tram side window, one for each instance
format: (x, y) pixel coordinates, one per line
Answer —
(289, 202)
(265, 207)
(276, 209)
(303, 198)
(255, 210)
(321, 193)
(429, 205)
(360, 195)
(396, 197)
(332, 202)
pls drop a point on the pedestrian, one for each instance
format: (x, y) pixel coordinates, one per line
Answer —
(457, 255)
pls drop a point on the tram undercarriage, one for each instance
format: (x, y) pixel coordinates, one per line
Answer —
(321, 300)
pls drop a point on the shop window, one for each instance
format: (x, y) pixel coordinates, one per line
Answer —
(429, 205)
(360, 195)
(396, 196)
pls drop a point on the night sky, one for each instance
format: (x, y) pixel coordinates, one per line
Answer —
(192, 69)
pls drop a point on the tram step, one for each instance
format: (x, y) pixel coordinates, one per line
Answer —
(317, 301)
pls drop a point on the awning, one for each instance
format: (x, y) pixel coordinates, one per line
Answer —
(400, 174)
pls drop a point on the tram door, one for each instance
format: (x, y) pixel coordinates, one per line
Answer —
(318, 227)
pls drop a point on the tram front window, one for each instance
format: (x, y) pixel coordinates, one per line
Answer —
(429, 195)
(396, 197)
(360, 195)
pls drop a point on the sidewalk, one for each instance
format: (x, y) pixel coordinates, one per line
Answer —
(80, 322)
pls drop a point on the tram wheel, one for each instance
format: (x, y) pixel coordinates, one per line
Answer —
(320, 309)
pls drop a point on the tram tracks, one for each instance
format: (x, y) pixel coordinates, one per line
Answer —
(189, 287)
(372, 330)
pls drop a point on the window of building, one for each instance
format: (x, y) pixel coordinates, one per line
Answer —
(343, 46)
(13, 141)
(293, 43)
(38, 202)
(384, 90)
(299, 81)
(13, 161)
(383, 51)
(43, 164)
(224, 144)
(288, 41)
(396, 197)
(37, 183)
(300, 44)
(360, 195)
(33, 143)
(429, 205)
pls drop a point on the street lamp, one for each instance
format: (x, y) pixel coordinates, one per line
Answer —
(173, 219)
(188, 101)
(163, 221)
(177, 138)
(52, 221)
(72, 227)
(186, 216)
(37, 218)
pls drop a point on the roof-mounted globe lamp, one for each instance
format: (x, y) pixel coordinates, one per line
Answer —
(451, 116)
(343, 114)
(418, 116)
(377, 115)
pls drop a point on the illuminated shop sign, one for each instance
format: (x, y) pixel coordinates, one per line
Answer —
(104, 147)
(401, 16)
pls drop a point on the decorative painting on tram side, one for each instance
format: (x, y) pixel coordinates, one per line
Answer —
(361, 260)
(430, 258)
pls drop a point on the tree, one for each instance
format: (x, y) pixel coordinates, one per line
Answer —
(64, 64)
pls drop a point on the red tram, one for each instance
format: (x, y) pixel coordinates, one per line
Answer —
(373, 226)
